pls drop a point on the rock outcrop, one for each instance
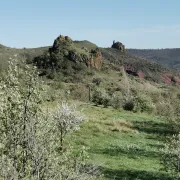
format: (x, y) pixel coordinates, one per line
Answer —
(92, 59)
(95, 60)
(64, 49)
(59, 42)
(170, 79)
(119, 46)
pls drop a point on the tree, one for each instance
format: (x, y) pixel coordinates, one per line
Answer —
(22, 120)
(101, 97)
(66, 119)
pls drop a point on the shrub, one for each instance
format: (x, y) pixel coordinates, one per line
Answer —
(106, 101)
(77, 78)
(51, 75)
(128, 105)
(178, 96)
(90, 71)
(79, 92)
(173, 117)
(66, 118)
(143, 104)
(117, 100)
(116, 103)
(100, 97)
(164, 108)
(97, 81)
(170, 157)
(79, 67)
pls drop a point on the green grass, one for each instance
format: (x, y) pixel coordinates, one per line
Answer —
(125, 145)
(87, 44)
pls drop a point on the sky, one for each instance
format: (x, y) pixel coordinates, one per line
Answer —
(136, 23)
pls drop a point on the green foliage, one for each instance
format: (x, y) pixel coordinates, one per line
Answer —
(128, 105)
(171, 151)
(79, 92)
(132, 152)
(31, 137)
(173, 117)
(164, 108)
(143, 104)
(100, 97)
(166, 57)
(117, 100)
(97, 81)
(57, 67)
(86, 44)
(137, 103)
(90, 72)
(171, 156)
(21, 122)
(178, 96)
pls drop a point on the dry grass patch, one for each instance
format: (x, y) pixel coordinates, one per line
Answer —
(120, 125)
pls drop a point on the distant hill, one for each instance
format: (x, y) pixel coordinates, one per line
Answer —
(28, 53)
(69, 58)
(166, 57)
(83, 54)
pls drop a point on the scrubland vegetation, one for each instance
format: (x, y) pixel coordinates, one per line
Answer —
(77, 122)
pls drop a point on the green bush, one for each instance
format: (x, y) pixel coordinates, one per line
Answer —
(79, 92)
(97, 81)
(100, 97)
(90, 71)
(116, 103)
(129, 105)
(164, 108)
(143, 104)
(170, 158)
(117, 100)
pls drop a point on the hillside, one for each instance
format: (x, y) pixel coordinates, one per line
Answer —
(167, 57)
(130, 103)
(84, 54)
(79, 54)
(8, 52)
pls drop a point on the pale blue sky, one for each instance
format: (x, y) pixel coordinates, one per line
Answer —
(136, 23)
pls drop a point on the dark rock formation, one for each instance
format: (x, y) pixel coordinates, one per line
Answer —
(119, 46)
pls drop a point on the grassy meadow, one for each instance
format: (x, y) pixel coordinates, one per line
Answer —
(125, 145)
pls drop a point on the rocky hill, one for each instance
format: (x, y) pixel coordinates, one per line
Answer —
(140, 68)
(64, 49)
(119, 46)
(73, 59)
